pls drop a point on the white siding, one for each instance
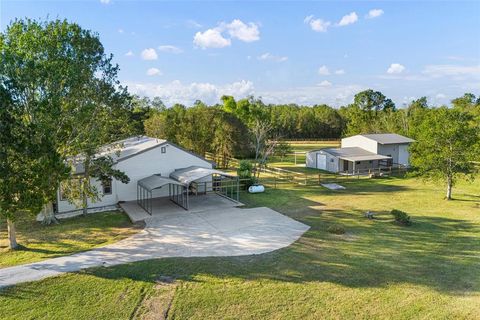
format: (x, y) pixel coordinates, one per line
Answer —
(311, 159)
(403, 155)
(106, 200)
(390, 150)
(154, 162)
(331, 161)
(361, 142)
(138, 167)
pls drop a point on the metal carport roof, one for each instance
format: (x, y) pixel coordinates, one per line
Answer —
(354, 154)
(156, 181)
(190, 174)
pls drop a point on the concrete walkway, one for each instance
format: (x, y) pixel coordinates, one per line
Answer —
(223, 232)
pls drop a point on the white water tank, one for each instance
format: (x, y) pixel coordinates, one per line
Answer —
(256, 188)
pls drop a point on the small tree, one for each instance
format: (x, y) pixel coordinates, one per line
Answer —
(282, 149)
(446, 147)
(263, 142)
(244, 172)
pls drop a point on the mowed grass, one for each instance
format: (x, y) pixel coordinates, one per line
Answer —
(377, 270)
(39, 242)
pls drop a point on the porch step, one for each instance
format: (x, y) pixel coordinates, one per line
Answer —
(134, 211)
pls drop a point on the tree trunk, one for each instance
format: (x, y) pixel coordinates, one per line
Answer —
(84, 198)
(449, 188)
(86, 186)
(48, 214)
(12, 236)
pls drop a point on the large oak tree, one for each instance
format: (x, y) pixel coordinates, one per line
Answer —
(60, 99)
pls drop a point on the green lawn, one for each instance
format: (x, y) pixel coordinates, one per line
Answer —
(39, 242)
(377, 270)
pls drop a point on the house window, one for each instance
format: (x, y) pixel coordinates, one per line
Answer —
(164, 149)
(107, 187)
(332, 160)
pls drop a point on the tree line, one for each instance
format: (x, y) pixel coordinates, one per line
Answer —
(61, 102)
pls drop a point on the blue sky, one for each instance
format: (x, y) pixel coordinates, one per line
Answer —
(285, 52)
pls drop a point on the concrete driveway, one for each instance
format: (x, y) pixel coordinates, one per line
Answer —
(222, 232)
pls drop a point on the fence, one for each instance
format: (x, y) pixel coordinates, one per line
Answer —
(222, 161)
(276, 176)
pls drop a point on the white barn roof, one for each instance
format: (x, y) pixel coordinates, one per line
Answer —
(387, 138)
(190, 174)
(354, 154)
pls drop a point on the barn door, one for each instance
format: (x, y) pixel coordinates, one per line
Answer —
(322, 161)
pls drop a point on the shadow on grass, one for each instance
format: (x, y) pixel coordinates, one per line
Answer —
(438, 253)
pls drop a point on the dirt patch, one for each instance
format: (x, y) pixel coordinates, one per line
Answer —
(157, 305)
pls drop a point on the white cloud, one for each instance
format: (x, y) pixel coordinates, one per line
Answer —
(348, 19)
(395, 68)
(120, 31)
(440, 96)
(193, 24)
(177, 92)
(149, 54)
(170, 49)
(325, 83)
(129, 53)
(221, 36)
(443, 70)
(154, 72)
(269, 56)
(339, 71)
(374, 13)
(211, 38)
(335, 95)
(244, 32)
(323, 70)
(317, 25)
(105, 1)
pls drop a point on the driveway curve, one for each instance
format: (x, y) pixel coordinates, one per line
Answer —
(213, 233)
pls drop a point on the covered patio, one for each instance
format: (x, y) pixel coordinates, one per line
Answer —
(185, 187)
(359, 161)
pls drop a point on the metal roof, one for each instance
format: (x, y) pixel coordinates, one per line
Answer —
(387, 138)
(156, 181)
(127, 148)
(190, 174)
(354, 154)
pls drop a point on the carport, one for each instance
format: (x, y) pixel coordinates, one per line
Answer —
(145, 186)
(182, 182)
(221, 183)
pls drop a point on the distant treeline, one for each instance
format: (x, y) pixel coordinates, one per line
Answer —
(224, 128)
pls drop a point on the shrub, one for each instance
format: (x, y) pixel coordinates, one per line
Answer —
(282, 149)
(336, 229)
(244, 172)
(401, 217)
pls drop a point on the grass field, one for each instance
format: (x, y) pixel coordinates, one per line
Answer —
(40, 242)
(377, 270)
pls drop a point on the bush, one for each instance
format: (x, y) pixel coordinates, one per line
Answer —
(282, 149)
(244, 172)
(401, 217)
(336, 229)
